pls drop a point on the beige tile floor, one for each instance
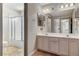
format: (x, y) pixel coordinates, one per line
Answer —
(10, 50)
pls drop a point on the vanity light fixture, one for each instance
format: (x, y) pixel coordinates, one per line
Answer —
(71, 4)
(62, 6)
(75, 20)
(46, 11)
(66, 5)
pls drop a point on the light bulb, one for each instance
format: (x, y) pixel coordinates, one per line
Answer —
(66, 5)
(71, 4)
(46, 11)
(62, 6)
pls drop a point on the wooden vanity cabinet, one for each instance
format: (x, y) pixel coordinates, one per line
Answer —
(42, 43)
(63, 46)
(58, 45)
(53, 45)
(74, 47)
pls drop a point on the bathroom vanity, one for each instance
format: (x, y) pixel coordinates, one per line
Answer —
(64, 46)
(63, 24)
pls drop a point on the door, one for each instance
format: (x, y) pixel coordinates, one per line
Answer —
(42, 43)
(39, 42)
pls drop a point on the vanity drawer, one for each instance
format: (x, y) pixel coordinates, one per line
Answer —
(52, 39)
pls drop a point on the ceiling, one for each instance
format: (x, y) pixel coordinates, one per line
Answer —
(15, 6)
(55, 8)
(53, 5)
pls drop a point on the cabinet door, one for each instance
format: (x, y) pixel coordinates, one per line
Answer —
(73, 47)
(42, 43)
(45, 44)
(63, 46)
(53, 45)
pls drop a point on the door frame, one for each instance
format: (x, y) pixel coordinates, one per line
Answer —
(25, 29)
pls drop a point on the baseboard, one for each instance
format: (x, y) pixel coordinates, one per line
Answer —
(30, 54)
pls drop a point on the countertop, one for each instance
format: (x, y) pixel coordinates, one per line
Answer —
(76, 36)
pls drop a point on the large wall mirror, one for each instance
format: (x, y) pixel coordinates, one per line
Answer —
(60, 25)
(62, 18)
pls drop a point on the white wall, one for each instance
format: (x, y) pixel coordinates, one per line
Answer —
(32, 27)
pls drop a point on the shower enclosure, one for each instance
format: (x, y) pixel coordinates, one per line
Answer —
(15, 40)
(13, 29)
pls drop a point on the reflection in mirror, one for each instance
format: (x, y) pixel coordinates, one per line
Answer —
(58, 19)
(41, 23)
(41, 20)
(76, 25)
(65, 26)
(58, 25)
(49, 24)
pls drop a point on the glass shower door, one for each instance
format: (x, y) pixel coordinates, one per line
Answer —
(13, 29)
(15, 45)
(16, 28)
